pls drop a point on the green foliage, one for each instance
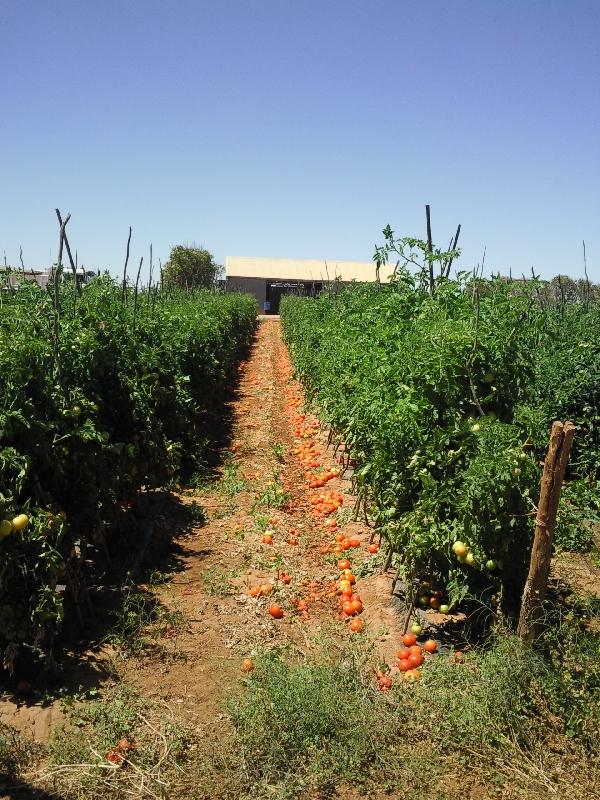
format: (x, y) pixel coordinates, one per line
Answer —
(231, 481)
(445, 395)
(579, 512)
(572, 686)
(128, 395)
(273, 495)
(306, 726)
(190, 268)
(308, 723)
(399, 374)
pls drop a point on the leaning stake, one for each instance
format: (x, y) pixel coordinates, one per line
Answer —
(534, 593)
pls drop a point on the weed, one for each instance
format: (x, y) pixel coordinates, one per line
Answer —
(134, 731)
(493, 716)
(216, 582)
(343, 516)
(273, 495)
(232, 482)
(140, 621)
(278, 451)
(16, 753)
(194, 512)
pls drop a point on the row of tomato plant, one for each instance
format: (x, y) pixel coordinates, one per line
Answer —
(443, 402)
(100, 396)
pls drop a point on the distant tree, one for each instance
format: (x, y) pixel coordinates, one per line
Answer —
(190, 268)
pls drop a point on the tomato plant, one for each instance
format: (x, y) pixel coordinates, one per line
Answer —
(99, 397)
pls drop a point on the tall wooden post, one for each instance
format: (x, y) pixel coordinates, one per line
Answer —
(534, 593)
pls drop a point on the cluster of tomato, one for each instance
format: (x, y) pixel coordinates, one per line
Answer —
(412, 656)
(326, 503)
(350, 602)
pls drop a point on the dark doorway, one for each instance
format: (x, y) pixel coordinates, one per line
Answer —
(275, 290)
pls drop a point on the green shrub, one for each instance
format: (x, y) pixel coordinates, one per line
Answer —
(96, 403)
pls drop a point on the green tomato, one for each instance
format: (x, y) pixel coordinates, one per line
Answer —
(424, 600)
(444, 609)
(470, 559)
(490, 564)
(475, 428)
(5, 528)
(416, 629)
(488, 377)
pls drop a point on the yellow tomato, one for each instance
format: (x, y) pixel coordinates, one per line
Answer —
(20, 521)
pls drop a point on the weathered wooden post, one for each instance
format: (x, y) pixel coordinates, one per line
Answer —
(534, 593)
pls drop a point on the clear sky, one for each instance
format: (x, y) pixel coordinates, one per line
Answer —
(300, 128)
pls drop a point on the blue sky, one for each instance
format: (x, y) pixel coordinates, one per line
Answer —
(301, 128)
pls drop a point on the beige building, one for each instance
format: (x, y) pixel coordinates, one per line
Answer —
(269, 278)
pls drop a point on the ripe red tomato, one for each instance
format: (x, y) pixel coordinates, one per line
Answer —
(343, 564)
(276, 611)
(430, 646)
(403, 665)
(348, 608)
(434, 602)
(373, 548)
(357, 625)
(357, 606)
(354, 541)
(415, 650)
(267, 539)
(403, 654)
(415, 660)
(409, 639)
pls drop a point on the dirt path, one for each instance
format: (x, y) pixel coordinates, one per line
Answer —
(224, 558)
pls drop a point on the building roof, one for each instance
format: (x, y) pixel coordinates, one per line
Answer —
(302, 269)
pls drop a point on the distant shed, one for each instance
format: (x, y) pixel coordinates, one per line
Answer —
(270, 278)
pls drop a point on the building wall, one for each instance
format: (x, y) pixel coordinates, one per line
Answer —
(303, 269)
(255, 286)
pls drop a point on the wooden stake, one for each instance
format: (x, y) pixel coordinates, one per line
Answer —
(534, 593)
(68, 247)
(430, 247)
(123, 294)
